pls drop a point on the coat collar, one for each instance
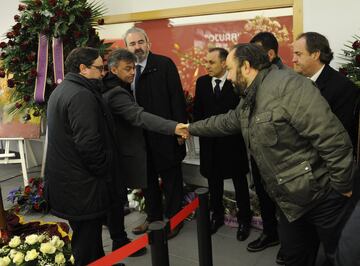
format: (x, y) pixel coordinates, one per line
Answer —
(151, 65)
(324, 77)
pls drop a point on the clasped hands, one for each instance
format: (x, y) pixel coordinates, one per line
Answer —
(182, 130)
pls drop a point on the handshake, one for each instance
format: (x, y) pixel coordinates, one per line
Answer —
(182, 130)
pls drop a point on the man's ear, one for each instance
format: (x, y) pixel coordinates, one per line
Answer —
(83, 69)
(315, 55)
(246, 66)
(113, 70)
(271, 54)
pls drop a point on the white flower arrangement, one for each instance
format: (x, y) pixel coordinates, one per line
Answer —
(136, 200)
(41, 250)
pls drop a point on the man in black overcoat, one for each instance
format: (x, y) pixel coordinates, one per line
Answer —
(157, 88)
(222, 157)
(311, 58)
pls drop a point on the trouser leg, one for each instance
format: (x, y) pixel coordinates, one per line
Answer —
(86, 242)
(115, 222)
(329, 217)
(242, 199)
(153, 195)
(299, 241)
(267, 206)
(173, 190)
(216, 191)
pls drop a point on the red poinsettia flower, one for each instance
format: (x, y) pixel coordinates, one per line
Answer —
(356, 44)
(27, 190)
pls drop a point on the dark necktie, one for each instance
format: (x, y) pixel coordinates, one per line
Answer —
(217, 88)
(137, 75)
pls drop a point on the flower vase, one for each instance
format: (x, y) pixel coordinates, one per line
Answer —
(190, 146)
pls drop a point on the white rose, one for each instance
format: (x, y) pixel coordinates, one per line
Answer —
(31, 255)
(5, 261)
(56, 242)
(19, 258)
(12, 253)
(72, 259)
(60, 258)
(41, 238)
(31, 239)
(47, 248)
(14, 242)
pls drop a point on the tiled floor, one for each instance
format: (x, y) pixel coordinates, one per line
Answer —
(227, 251)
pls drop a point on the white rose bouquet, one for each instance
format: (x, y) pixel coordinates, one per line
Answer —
(37, 250)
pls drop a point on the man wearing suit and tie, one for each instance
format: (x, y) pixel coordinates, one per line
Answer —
(222, 157)
(311, 58)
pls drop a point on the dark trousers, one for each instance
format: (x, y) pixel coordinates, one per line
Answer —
(300, 239)
(267, 206)
(115, 223)
(86, 242)
(173, 192)
(216, 191)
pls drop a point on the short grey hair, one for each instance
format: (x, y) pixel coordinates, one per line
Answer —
(135, 30)
(120, 54)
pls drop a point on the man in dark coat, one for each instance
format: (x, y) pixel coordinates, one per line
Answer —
(312, 56)
(80, 168)
(130, 120)
(158, 90)
(223, 157)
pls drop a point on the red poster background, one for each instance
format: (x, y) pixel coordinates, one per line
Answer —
(187, 45)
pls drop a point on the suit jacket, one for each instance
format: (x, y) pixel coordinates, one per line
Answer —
(342, 96)
(224, 157)
(159, 92)
(130, 120)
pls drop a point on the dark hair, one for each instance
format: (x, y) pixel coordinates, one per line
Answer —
(120, 54)
(315, 42)
(267, 40)
(222, 52)
(254, 54)
(78, 56)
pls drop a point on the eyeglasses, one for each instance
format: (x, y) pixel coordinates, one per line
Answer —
(100, 68)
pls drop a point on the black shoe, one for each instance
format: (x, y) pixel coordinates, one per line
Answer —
(243, 231)
(116, 245)
(176, 231)
(263, 242)
(280, 259)
(215, 224)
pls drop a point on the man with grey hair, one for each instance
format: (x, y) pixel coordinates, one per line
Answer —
(130, 120)
(158, 90)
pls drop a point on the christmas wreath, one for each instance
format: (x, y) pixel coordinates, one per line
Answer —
(71, 23)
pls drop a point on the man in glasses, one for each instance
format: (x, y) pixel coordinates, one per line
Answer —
(81, 154)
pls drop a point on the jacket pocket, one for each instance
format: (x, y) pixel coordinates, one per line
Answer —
(264, 130)
(298, 183)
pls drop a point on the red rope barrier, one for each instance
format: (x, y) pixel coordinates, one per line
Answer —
(185, 212)
(142, 241)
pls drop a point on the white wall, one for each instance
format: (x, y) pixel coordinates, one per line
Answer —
(338, 21)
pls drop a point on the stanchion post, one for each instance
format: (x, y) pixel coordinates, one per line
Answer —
(203, 228)
(158, 244)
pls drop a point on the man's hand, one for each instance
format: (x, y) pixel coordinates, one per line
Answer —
(348, 194)
(182, 130)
